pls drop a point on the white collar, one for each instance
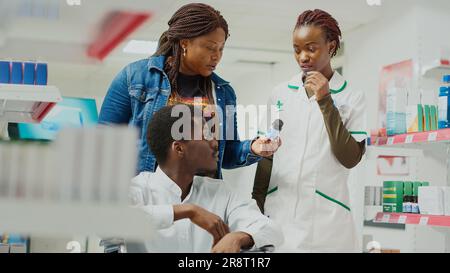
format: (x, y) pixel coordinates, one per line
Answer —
(166, 182)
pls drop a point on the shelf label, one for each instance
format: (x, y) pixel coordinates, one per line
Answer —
(390, 141)
(385, 218)
(423, 221)
(409, 139)
(432, 136)
(402, 219)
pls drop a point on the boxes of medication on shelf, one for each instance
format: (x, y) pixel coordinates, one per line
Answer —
(431, 200)
(41, 74)
(414, 118)
(434, 117)
(396, 103)
(17, 73)
(444, 102)
(29, 73)
(5, 72)
(392, 196)
(401, 196)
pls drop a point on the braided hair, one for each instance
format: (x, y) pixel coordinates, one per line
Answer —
(325, 21)
(190, 21)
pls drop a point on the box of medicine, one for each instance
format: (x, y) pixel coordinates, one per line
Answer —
(378, 196)
(392, 196)
(29, 71)
(431, 200)
(427, 117)
(414, 118)
(17, 73)
(416, 186)
(434, 118)
(41, 74)
(5, 72)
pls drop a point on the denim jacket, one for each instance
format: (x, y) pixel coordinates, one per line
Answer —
(142, 88)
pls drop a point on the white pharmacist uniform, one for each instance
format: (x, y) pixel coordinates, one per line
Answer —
(308, 192)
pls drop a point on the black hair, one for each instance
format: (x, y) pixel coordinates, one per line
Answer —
(325, 21)
(190, 21)
(159, 131)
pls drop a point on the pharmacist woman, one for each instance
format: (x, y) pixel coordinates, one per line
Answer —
(183, 69)
(323, 137)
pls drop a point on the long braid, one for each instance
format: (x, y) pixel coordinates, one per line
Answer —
(324, 20)
(190, 21)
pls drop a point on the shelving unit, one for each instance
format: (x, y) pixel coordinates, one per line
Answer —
(26, 103)
(436, 70)
(439, 136)
(56, 219)
(412, 219)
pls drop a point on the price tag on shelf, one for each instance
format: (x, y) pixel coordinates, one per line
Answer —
(390, 140)
(402, 219)
(432, 136)
(409, 139)
(423, 221)
(385, 218)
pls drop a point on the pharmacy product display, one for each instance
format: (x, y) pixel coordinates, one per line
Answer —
(402, 196)
(29, 73)
(444, 101)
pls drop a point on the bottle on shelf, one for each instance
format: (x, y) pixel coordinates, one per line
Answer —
(444, 101)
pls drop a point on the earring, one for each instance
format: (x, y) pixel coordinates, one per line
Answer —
(184, 51)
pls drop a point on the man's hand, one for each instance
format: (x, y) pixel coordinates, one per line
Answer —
(316, 83)
(265, 147)
(233, 243)
(206, 220)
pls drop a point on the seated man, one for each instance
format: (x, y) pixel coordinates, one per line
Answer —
(194, 213)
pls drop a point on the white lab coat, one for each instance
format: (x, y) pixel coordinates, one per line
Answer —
(308, 193)
(155, 194)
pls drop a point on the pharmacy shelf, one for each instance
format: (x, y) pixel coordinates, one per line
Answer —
(436, 70)
(439, 136)
(412, 219)
(26, 103)
(59, 219)
(373, 152)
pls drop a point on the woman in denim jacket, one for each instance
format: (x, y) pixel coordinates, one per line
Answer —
(181, 69)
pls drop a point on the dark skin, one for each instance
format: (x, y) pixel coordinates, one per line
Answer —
(202, 55)
(184, 161)
(313, 54)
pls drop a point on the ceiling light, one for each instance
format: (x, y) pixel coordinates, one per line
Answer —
(141, 47)
(373, 2)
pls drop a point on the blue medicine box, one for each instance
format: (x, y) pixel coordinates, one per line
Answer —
(17, 73)
(41, 74)
(5, 72)
(29, 73)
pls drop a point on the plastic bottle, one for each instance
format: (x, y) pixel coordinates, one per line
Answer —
(444, 100)
(275, 130)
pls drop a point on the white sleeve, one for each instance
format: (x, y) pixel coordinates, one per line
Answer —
(244, 215)
(356, 124)
(161, 216)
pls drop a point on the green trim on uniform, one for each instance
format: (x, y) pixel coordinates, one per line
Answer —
(293, 87)
(272, 190)
(332, 91)
(333, 200)
(358, 133)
